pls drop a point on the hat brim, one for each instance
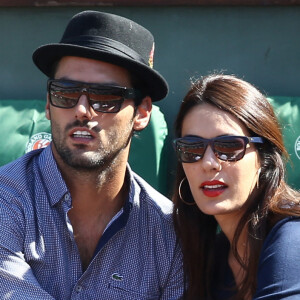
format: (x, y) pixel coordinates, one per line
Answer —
(45, 56)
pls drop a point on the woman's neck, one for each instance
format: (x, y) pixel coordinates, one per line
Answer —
(229, 224)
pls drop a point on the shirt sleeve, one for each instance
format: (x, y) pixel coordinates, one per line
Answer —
(279, 265)
(175, 285)
(16, 276)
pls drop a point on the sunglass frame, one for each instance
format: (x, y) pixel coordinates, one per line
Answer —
(195, 140)
(83, 88)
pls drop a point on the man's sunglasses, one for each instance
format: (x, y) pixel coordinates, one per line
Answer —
(102, 98)
(190, 149)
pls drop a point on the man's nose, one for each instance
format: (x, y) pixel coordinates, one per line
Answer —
(83, 108)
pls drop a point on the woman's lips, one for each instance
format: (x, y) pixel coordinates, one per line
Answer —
(213, 188)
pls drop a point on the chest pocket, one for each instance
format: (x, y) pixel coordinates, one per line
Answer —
(119, 290)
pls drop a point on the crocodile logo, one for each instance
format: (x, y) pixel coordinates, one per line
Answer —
(117, 277)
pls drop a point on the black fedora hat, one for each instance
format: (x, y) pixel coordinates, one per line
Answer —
(110, 38)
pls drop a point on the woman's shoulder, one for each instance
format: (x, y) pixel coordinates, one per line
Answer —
(284, 234)
(284, 230)
(281, 247)
(291, 221)
(279, 264)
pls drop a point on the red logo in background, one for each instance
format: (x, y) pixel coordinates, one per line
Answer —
(40, 144)
(38, 141)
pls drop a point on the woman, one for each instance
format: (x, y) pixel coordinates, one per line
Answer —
(236, 218)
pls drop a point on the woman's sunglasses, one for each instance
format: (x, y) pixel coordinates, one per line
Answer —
(190, 149)
(102, 98)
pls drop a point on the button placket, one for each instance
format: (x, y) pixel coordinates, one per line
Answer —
(78, 288)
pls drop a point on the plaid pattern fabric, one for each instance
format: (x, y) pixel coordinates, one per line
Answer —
(137, 256)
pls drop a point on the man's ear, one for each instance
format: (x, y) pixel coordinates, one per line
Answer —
(143, 114)
(47, 108)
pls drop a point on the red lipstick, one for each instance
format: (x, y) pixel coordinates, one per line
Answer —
(213, 188)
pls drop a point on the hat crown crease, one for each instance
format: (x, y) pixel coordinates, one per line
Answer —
(104, 44)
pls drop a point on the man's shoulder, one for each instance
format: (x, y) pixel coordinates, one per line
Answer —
(20, 163)
(14, 175)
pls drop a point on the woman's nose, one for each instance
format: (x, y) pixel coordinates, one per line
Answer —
(210, 161)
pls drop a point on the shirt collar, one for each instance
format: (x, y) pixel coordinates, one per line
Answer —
(132, 185)
(54, 184)
(57, 188)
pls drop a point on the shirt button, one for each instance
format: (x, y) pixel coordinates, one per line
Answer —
(67, 199)
(78, 288)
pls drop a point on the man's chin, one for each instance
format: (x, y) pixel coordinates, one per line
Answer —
(83, 161)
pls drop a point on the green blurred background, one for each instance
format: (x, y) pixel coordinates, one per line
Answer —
(258, 43)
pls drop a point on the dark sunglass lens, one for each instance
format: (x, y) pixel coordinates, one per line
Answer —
(64, 102)
(107, 106)
(190, 152)
(106, 90)
(230, 149)
(187, 156)
(106, 99)
(64, 94)
(61, 99)
(98, 97)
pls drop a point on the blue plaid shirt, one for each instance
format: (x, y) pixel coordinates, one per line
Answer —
(137, 257)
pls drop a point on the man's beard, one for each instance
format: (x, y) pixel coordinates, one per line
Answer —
(99, 159)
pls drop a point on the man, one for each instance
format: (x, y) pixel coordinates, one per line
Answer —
(75, 221)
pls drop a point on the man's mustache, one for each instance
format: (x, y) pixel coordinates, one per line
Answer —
(84, 123)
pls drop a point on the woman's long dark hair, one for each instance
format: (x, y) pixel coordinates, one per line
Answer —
(272, 201)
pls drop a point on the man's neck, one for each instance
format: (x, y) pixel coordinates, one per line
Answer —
(96, 198)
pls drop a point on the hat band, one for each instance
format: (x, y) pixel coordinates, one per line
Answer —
(105, 44)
